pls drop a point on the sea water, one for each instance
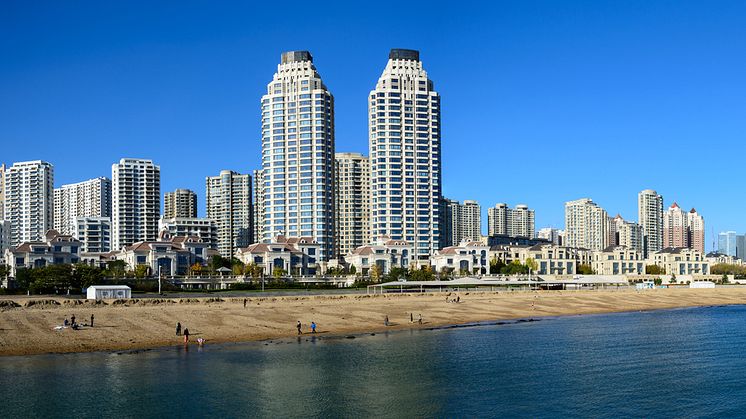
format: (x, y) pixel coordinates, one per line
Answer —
(668, 363)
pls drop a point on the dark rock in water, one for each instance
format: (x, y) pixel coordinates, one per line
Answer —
(372, 334)
(350, 337)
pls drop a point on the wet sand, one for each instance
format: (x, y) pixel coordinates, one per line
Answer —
(148, 323)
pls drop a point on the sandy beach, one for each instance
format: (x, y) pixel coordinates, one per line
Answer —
(27, 324)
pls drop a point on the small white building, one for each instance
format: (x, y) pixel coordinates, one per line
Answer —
(108, 292)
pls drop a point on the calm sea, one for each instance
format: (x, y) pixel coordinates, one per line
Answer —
(671, 363)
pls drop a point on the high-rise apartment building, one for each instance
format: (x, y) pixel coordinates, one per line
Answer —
(585, 225)
(554, 235)
(29, 200)
(505, 221)
(181, 203)
(650, 218)
(94, 234)
(229, 205)
(460, 222)
(91, 198)
(405, 154)
(683, 229)
(204, 228)
(2, 191)
(352, 202)
(258, 206)
(136, 201)
(298, 153)
(626, 233)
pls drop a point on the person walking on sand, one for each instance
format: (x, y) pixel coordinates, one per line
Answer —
(178, 328)
(420, 319)
(411, 317)
(386, 320)
(244, 303)
(91, 320)
(298, 326)
(72, 319)
(313, 327)
(186, 335)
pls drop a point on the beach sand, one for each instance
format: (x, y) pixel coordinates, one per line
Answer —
(148, 323)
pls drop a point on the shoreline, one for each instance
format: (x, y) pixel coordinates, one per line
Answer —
(144, 324)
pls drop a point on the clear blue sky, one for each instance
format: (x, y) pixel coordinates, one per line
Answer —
(543, 101)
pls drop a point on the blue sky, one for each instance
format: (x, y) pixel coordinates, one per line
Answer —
(543, 101)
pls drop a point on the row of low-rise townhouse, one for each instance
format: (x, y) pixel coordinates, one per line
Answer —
(385, 253)
(54, 249)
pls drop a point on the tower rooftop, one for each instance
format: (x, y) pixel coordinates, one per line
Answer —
(404, 54)
(290, 56)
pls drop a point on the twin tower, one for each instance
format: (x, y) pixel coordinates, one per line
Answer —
(297, 191)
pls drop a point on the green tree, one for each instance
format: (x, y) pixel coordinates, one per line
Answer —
(654, 270)
(278, 272)
(585, 269)
(115, 269)
(423, 274)
(396, 273)
(85, 275)
(237, 267)
(496, 265)
(445, 273)
(216, 262)
(141, 271)
(376, 273)
(514, 268)
(532, 265)
(353, 270)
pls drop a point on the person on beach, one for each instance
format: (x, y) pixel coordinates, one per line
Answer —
(186, 335)
(91, 320)
(178, 328)
(420, 319)
(458, 299)
(72, 319)
(244, 303)
(386, 320)
(313, 327)
(298, 326)
(65, 323)
(411, 317)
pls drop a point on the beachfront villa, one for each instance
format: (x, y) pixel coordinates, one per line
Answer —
(170, 255)
(292, 255)
(55, 249)
(618, 260)
(384, 252)
(468, 257)
(681, 261)
(551, 259)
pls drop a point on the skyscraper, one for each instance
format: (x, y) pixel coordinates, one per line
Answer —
(650, 218)
(585, 225)
(91, 198)
(696, 230)
(181, 203)
(258, 206)
(352, 202)
(518, 222)
(405, 154)
(29, 200)
(136, 201)
(727, 243)
(229, 205)
(298, 153)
